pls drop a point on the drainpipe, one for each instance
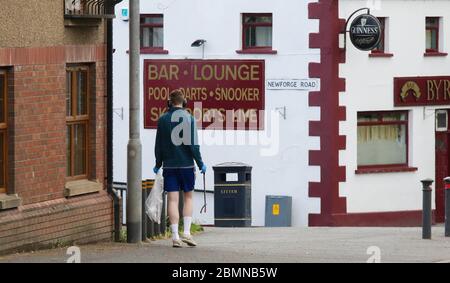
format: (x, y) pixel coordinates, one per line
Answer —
(109, 9)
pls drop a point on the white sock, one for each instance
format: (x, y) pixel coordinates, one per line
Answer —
(187, 225)
(174, 228)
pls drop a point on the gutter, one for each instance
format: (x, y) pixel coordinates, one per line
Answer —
(109, 119)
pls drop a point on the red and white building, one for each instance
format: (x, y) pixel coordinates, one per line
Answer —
(396, 100)
(352, 143)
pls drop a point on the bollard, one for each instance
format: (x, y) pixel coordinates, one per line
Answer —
(150, 229)
(426, 211)
(447, 206)
(155, 229)
(145, 192)
(144, 216)
(149, 223)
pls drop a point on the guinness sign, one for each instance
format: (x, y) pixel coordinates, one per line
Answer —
(365, 32)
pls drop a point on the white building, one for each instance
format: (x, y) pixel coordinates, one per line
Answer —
(338, 173)
(416, 40)
(285, 171)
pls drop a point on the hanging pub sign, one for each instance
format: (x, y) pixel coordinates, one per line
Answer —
(365, 32)
(421, 91)
(221, 94)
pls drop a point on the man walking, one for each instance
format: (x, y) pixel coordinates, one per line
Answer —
(176, 148)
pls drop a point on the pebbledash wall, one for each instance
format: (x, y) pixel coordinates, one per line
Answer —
(286, 172)
(40, 207)
(390, 198)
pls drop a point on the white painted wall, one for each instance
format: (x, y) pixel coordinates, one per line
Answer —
(219, 22)
(370, 87)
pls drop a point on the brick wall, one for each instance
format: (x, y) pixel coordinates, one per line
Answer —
(98, 109)
(37, 149)
(37, 118)
(39, 124)
(75, 221)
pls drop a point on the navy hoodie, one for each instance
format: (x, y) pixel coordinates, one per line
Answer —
(183, 149)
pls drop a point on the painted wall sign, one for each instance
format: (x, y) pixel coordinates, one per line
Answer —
(422, 91)
(124, 15)
(222, 94)
(365, 32)
(306, 84)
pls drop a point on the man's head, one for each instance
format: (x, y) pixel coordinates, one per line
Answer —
(177, 98)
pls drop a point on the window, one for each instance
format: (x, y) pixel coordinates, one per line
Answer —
(441, 120)
(3, 130)
(383, 139)
(77, 119)
(381, 48)
(257, 33)
(432, 34)
(152, 34)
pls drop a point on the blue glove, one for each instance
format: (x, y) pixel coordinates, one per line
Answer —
(156, 170)
(203, 169)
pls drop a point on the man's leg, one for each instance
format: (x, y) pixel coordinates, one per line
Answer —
(174, 216)
(188, 188)
(187, 212)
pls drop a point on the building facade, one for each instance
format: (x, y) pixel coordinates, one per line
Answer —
(396, 127)
(247, 44)
(355, 131)
(53, 125)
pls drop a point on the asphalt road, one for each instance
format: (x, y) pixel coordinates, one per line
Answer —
(267, 245)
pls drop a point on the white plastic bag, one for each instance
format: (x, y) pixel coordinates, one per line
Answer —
(154, 202)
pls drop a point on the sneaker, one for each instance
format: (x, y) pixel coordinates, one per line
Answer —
(189, 240)
(177, 244)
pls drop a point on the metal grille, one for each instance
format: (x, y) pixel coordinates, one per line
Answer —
(87, 8)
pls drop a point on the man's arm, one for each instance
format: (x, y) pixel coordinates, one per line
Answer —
(195, 147)
(158, 147)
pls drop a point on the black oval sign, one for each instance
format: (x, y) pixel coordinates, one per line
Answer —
(365, 32)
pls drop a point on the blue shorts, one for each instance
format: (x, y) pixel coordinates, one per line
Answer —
(179, 179)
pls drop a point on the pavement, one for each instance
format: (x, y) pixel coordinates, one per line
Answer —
(268, 245)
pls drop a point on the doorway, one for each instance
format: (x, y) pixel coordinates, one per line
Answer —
(442, 160)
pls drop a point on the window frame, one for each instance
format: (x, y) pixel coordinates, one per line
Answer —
(75, 119)
(380, 122)
(382, 21)
(437, 29)
(4, 129)
(151, 50)
(256, 49)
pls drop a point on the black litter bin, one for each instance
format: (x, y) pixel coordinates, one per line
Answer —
(232, 195)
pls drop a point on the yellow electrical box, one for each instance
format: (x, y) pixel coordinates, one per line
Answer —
(278, 211)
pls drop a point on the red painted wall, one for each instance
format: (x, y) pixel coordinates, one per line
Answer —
(327, 12)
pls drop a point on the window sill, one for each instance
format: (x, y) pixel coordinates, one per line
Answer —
(435, 54)
(381, 55)
(81, 187)
(257, 51)
(378, 170)
(152, 51)
(9, 201)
